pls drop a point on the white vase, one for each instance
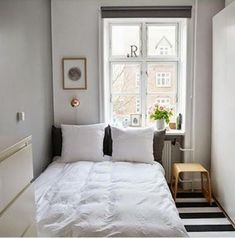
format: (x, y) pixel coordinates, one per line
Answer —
(160, 123)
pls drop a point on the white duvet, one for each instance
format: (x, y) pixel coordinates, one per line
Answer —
(105, 199)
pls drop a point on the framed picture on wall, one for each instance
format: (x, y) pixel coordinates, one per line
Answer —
(74, 73)
(135, 120)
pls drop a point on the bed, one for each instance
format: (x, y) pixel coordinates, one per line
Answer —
(106, 198)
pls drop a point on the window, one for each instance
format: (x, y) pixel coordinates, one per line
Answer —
(164, 101)
(163, 79)
(137, 80)
(138, 105)
(142, 67)
(162, 39)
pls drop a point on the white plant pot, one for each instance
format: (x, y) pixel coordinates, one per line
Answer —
(160, 124)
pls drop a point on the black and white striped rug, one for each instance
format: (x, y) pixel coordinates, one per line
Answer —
(202, 220)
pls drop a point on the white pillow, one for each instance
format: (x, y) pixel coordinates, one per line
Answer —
(82, 142)
(133, 145)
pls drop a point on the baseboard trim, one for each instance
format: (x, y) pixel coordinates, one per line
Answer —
(225, 213)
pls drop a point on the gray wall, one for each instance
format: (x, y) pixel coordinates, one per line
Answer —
(25, 69)
(25, 75)
(75, 32)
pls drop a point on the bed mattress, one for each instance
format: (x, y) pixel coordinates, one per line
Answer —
(105, 199)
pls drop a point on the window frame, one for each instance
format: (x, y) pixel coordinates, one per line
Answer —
(144, 59)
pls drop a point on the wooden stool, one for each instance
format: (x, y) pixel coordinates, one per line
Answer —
(190, 167)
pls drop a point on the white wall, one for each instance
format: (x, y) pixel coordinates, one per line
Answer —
(223, 110)
(75, 33)
(206, 9)
(26, 76)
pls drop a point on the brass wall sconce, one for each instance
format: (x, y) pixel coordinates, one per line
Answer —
(75, 102)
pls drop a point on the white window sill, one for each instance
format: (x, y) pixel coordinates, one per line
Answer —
(169, 132)
(175, 132)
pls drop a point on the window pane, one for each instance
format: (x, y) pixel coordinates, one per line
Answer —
(123, 106)
(162, 77)
(162, 85)
(162, 40)
(125, 78)
(125, 40)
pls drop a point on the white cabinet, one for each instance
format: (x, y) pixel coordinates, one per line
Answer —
(223, 109)
(15, 174)
(19, 216)
(17, 209)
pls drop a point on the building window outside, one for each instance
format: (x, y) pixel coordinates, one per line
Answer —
(137, 80)
(164, 101)
(163, 79)
(138, 108)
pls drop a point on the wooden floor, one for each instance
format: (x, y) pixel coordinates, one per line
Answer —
(202, 220)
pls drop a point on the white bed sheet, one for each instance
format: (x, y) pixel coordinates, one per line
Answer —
(105, 199)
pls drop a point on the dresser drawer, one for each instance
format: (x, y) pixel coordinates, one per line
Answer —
(15, 173)
(19, 216)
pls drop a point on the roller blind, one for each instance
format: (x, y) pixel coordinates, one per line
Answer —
(146, 11)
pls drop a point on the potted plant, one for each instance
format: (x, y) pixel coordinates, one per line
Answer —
(161, 115)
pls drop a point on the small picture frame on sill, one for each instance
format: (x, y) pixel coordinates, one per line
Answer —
(135, 120)
(74, 73)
